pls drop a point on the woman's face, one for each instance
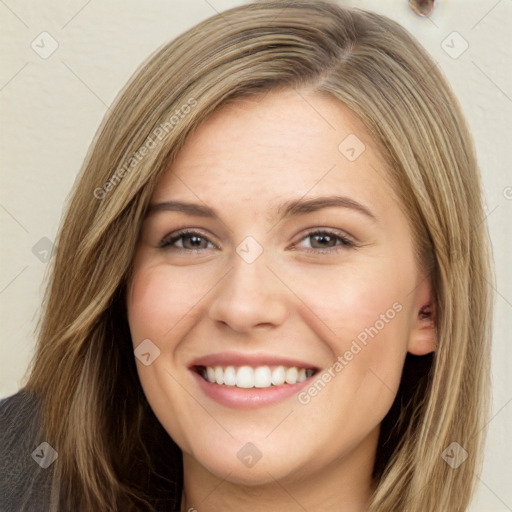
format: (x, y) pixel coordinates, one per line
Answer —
(273, 283)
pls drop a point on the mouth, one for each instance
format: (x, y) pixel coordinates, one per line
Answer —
(249, 377)
(250, 380)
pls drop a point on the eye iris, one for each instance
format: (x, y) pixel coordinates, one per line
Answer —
(195, 241)
(324, 237)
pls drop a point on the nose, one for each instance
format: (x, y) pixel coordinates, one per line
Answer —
(249, 296)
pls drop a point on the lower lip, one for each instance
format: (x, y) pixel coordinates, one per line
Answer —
(251, 398)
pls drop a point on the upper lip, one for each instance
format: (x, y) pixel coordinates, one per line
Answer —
(254, 360)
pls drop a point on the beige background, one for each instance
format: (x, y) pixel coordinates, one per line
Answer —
(51, 107)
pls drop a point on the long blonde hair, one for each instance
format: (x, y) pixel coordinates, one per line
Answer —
(94, 411)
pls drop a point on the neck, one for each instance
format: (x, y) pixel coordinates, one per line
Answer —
(342, 485)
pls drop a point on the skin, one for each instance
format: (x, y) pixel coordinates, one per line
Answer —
(288, 302)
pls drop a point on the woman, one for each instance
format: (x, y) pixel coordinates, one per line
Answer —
(210, 341)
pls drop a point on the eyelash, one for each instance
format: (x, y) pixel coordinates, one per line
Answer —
(168, 241)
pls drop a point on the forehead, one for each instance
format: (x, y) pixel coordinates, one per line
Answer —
(258, 152)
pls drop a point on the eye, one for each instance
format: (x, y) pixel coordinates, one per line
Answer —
(326, 241)
(322, 241)
(190, 241)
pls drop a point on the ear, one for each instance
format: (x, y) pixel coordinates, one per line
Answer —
(423, 336)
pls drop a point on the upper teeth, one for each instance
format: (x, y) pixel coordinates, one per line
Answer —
(259, 377)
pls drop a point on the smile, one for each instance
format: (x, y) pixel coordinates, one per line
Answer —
(250, 380)
(247, 377)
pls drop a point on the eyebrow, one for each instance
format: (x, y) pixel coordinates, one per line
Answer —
(292, 208)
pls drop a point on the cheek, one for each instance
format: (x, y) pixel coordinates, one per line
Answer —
(158, 310)
(366, 310)
(356, 298)
(161, 308)
(162, 300)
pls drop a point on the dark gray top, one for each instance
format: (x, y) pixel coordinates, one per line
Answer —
(26, 466)
(27, 461)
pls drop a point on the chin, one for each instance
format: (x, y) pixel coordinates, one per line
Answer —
(269, 468)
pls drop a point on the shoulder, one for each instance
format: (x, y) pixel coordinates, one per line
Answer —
(16, 402)
(24, 481)
(19, 417)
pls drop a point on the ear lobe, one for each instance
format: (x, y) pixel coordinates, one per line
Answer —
(423, 336)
